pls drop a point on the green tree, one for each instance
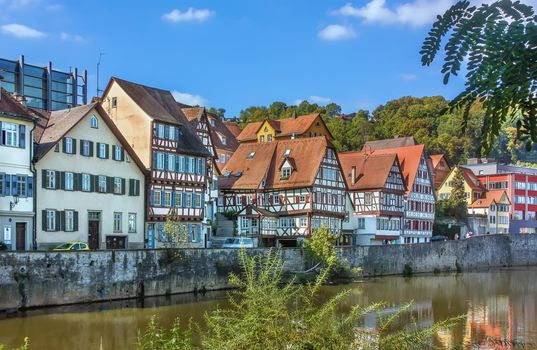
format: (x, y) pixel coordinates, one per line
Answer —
(499, 40)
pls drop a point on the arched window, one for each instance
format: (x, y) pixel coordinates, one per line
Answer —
(94, 123)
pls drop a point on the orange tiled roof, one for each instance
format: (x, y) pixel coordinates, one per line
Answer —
(283, 127)
(472, 180)
(389, 143)
(436, 158)
(266, 160)
(492, 196)
(371, 170)
(409, 159)
(233, 127)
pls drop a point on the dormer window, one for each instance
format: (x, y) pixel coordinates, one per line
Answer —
(224, 140)
(213, 124)
(285, 172)
(227, 173)
(287, 153)
(94, 123)
(265, 129)
(251, 155)
(238, 174)
(294, 136)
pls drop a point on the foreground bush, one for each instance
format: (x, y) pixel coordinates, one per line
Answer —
(268, 313)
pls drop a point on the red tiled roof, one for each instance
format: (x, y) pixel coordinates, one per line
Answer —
(471, 179)
(283, 127)
(10, 106)
(265, 162)
(436, 158)
(491, 196)
(409, 159)
(389, 143)
(233, 127)
(371, 170)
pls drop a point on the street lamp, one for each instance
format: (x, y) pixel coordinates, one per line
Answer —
(14, 203)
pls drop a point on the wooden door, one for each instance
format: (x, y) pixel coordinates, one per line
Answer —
(93, 234)
(21, 235)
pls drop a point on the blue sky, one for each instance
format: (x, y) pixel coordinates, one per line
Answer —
(234, 54)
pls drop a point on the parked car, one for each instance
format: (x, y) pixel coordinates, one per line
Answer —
(239, 242)
(72, 246)
(439, 238)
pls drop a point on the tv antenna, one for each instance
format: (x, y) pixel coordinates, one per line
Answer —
(101, 54)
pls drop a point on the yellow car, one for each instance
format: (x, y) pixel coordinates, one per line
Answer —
(72, 246)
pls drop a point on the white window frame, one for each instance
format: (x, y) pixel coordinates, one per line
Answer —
(51, 179)
(68, 145)
(171, 162)
(68, 184)
(118, 218)
(117, 152)
(132, 223)
(22, 188)
(86, 148)
(51, 220)
(102, 150)
(11, 132)
(118, 184)
(94, 123)
(86, 182)
(69, 221)
(100, 184)
(167, 199)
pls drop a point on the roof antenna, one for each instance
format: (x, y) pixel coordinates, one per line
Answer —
(101, 54)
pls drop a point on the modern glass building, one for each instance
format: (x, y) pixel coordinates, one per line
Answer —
(44, 87)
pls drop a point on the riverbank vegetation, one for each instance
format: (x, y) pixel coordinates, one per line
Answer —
(271, 311)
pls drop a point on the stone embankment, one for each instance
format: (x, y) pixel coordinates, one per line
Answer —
(34, 279)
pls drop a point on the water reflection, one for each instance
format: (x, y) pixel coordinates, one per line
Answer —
(501, 310)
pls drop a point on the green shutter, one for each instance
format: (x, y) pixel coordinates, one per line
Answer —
(82, 147)
(62, 220)
(44, 220)
(93, 185)
(62, 180)
(76, 181)
(43, 178)
(74, 146)
(58, 221)
(107, 153)
(122, 186)
(58, 180)
(63, 145)
(114, 152)
(109, 184)
(136, 187)
(131, 187)
(122, 154)
(91, 148)
(75, 221)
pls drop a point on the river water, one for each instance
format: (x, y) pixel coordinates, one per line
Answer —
(500, 305)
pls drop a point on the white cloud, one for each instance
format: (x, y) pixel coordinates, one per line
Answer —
(189, 99)
(415, 13)
(71, 37)
(334, 32)
(190, 15)
(314, 99)
(22, 31)
(407, 76)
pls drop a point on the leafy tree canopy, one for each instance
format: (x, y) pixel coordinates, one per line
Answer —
(499, 42)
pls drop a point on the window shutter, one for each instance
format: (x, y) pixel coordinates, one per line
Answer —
(74, 146)
(131, 187)
(114, 152)
(97, 147)
(177, 133)
(107, 153)
(122, 186)
(22, 136)
(93, 185)
(44, 220)
(62, 220)
(154, 160)
(184, 200)
(76, 181)
(177, 162)
(190, 236)
(91, 148)
(166, 131)
(43, 178)
(165, 162)
(57, 180)
(109, 184)
(199, 233)
(14, 189)
(193, 200)
(58, 221)
(137, 187)
(30, 186)
(75, 221)
(173, 199)
(63, 145)
(82, 147)
(152, 198)
(62, 180)
(122, 154)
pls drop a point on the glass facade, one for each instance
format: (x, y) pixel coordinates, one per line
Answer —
(44, 87)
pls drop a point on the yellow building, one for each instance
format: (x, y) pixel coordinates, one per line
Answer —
(472, 187)
(490, 214)
(268, 130)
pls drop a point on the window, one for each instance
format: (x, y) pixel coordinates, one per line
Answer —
(51, 179)
(287, 153)
(160, 161)
(224, 140)
(167, 199)
(86, 148)
(212, 122)
(269, 138)
(361, 223)
(276, 199)
(94, 123)
(223, 158)
(118, 152)
(114, 102)
(117, 221)
(103, 148)
(190, 165)
(10, 134)
(160, 131)
(21, 186)
(102, 184)
(197, 204)
(157, 197)
(86, 186)
(303, 222)
(171, 162)
(132, 222)
(68, 145)
(286, 172)
(51, 220)
(171, 133)
(68, 182)
(251, 155)
(188, 200)
(367, 198)
(262, 138)
(519, 185)
(245, 222)
(178, 199)
(69, 220)
(118, 185)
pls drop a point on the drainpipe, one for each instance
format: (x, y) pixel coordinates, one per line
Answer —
(34, 174)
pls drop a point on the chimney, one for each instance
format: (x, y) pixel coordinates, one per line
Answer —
(20, 98)
(353, 175)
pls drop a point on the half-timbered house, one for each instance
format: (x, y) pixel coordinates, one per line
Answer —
(89, 183)
(161, 135)
(419, 195)
(310, 125)
(376, 190)
(282, 191)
